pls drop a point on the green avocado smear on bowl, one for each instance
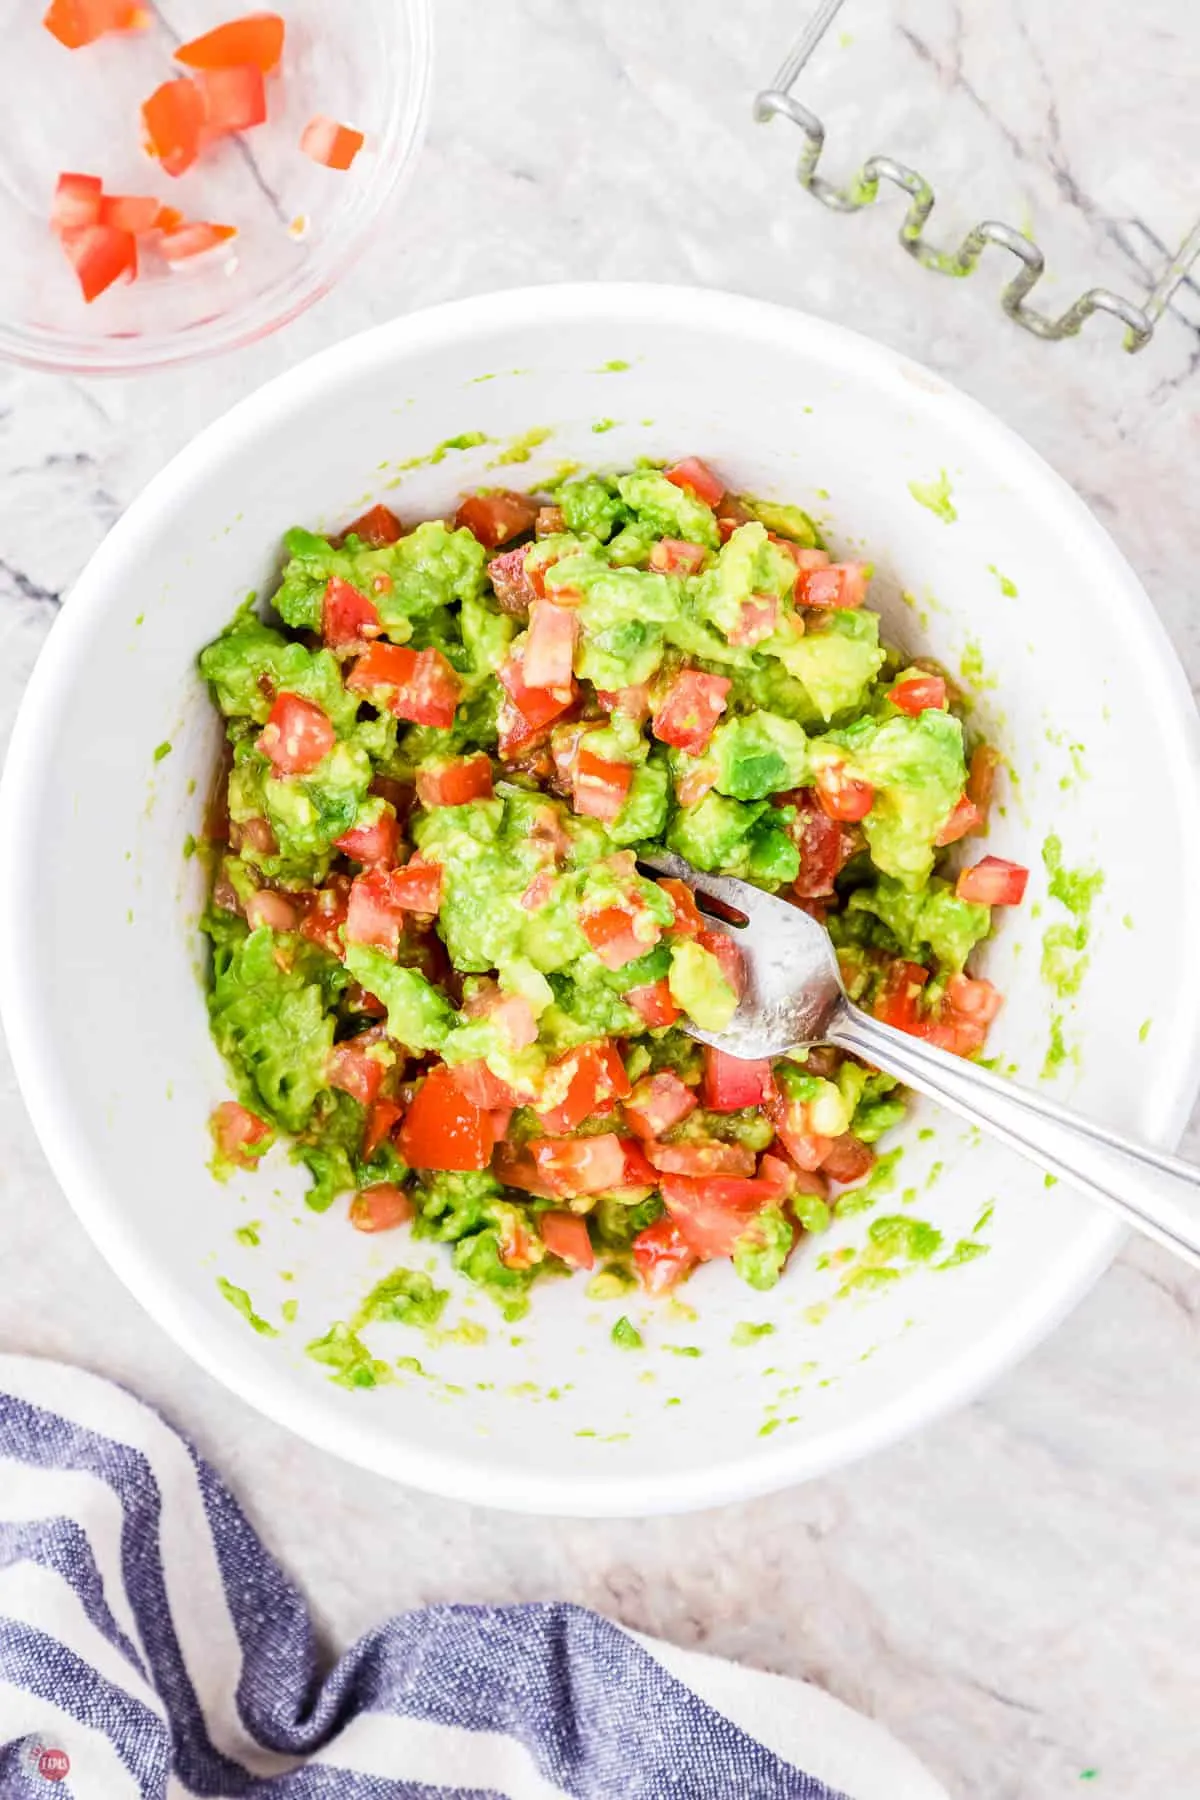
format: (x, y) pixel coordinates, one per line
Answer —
(436, 968)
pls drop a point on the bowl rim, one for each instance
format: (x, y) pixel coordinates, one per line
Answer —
(83, 353)
(1176, 1073)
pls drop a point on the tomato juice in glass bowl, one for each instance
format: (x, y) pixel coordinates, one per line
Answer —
(299, 225)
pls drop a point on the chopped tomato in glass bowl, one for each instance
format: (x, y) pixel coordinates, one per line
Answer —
(262, 229)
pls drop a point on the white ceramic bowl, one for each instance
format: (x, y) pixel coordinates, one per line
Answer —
(103, 1001)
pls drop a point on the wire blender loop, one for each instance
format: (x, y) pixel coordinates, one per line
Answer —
(863, 190)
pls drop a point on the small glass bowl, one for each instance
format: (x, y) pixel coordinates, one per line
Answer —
(299, 225)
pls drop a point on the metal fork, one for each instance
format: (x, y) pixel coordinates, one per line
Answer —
(794, 997)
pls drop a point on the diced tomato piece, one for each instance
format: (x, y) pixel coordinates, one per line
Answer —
(513, 1165)
(442, 1129)
(194, 238)
(378, 527)
(974, 998)
(486, 1090)
(823, 845)
(691, 784)
(240, 1136)
(687, 713)
(334, 146)
(513, 588)
(730, 514)
(601, 787)
(538, 706)
(234, 98)
(353, 1069)
(323, 922)
(993, 882)
(496, 518)
(897, 1001)
(658, 1102)
(843, 796)
(257, 39)
(593, 1074)
(457, 782)
(137, 213)
(100, 255)
(732, 963)
(757, 618)
(373, 918)
(783, 1179)
(571, 1166)
(513, 1017)
(274, 910)
(732, 1082)
(661, 1256)
(806, 1147)
(848, 1159)
(565, 1235)
(433, 692)
(653, 1003)
(550, 646)
(675, 556)
(173, 119)
(960, 1024)
(426, 688)
(701, 1157)
(380, 897)
(965, 818)
(417, 887)
(381, 1208)
(713, 1211)
(689, 921)
(297, 735)
(382, 1119)
(372, 845)
(78, 200)
(382, 665)
(347, 617)
(521, 744)
(981, 776)
(802, 555)
(697, 478)
(837, 585)
(918, 694)
(635, 701)
(618, 936)
(78, 22)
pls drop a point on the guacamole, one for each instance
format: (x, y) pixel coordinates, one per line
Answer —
(436, 966)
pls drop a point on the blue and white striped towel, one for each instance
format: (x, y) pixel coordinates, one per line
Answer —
(150, 1649)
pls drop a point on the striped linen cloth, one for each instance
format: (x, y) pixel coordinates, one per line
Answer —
(151, 1649)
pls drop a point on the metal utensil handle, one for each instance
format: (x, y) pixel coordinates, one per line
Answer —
(1159, 1195)
(778, 101)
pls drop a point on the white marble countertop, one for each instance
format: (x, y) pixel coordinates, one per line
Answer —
(1015, 1591)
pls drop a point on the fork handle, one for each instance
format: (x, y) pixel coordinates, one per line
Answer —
(1158, 1195)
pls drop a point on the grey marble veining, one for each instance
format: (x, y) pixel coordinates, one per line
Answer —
(1015, 1591)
